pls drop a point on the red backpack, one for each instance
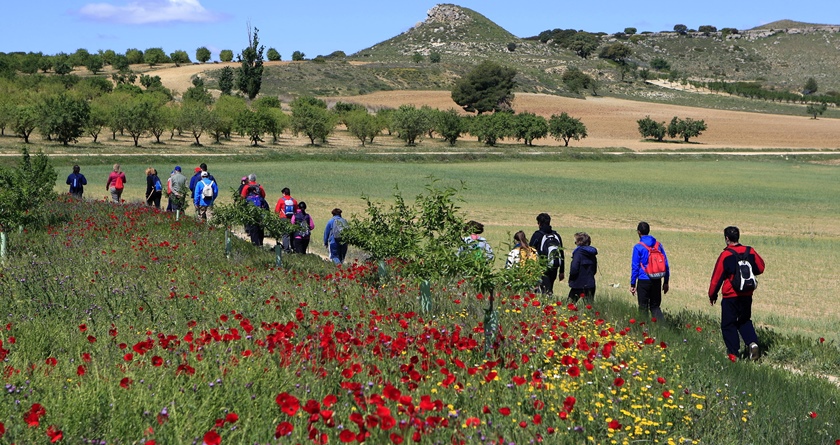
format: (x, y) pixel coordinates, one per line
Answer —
(118, 183)
(656, 261)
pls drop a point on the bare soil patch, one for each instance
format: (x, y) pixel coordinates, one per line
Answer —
(611, 122)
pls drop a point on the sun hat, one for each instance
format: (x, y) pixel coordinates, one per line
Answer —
(204, 174)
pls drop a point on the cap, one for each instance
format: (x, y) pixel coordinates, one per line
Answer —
(177, 168)
(204, 174)
(244, 178)
(197, 169)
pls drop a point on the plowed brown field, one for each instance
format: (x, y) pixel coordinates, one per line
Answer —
(610, 122)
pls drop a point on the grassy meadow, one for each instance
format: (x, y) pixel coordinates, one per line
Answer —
(786, 210)
(124, 326)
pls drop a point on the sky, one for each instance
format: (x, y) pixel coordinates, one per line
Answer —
(322, 26)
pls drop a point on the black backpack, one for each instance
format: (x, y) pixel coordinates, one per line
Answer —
(743, 280)
(551, 247)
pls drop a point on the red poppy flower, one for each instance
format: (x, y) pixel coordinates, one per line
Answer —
(82, 327)
(128, 357)
(569, 404)
(518, 380)
(732, 358)
(574, 371)
(614, 425)
(86, 357)
(618, 382)
(231, 418)
(347, 436)
(2, 429)
(397, 439)
(36, 411)
(812, 414)
(288, 403)
(125, 382)
(504, 411)
(157, 361)
(666, 394)
(473, 421)
(91, 339)
(661, 380)
(329, 400)
(80, 371)
(52, 361)
(822, 340)
(150, 442)
(212, 438)
(54, 434)
(537, 419)
(283, 429)
(523, 424)
(563, 415)
(632, 321)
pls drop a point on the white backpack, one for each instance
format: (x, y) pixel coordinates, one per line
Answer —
(207, 192)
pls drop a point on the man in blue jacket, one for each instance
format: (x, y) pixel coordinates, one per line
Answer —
(205, 195)
(649, 272)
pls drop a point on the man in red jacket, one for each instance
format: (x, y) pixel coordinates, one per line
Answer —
(735, 272)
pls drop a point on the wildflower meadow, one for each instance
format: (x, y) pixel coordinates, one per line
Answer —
(124, 326)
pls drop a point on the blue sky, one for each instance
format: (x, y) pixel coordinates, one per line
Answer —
(321, 27)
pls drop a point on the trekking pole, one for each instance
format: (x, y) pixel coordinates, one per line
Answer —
(278, 255)
(227, 242)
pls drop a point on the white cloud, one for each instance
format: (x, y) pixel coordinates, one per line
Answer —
(143, 12)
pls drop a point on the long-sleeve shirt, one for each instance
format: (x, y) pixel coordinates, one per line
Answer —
(725, 268)
(640, 258)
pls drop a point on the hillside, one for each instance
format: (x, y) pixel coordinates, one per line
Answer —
(777, 56)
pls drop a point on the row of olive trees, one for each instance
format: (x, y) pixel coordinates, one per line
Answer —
(685, 128)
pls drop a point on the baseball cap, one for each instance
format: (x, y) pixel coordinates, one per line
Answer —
(244, 178)
(204, 174)
(197, 169)
(177, 168)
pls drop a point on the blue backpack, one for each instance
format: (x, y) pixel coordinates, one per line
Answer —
(254, 195)
(158, 186)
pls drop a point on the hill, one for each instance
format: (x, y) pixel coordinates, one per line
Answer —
(775, 57)
(785, 24)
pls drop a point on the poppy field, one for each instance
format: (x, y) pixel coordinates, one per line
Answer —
(125, 326)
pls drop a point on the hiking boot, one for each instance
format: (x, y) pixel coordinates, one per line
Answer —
(754, 351)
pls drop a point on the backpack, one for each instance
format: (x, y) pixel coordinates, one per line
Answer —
(118, 184)
(207, 191)
(656, 267)
(289, 207)
(169, 186)
(338, 225)
(552, 248)
(158, 186)
(255, 200)
(743, 280)
(304, 226)
(75, 185)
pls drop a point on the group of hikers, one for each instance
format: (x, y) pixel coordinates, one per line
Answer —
(203, 190)
(733, 275)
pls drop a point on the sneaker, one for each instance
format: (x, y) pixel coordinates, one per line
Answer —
(754, 352)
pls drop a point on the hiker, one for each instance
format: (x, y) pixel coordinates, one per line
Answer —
(196, 177)
(116, 183)
(203, 168)
(285, 208)
(252, 187)
(649, 272)
(205, 194)
(549, 245)
(255, 195)
(77, 183)
(154, 189)
(477, 243)
(242, 183)
(734, 273)
(582, 270)
(332, 237)
(521, 251)
(176, 189)
(300, 242)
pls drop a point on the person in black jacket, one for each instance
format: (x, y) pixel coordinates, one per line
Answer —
(583, 269)
(153, 192)
(548, 244)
